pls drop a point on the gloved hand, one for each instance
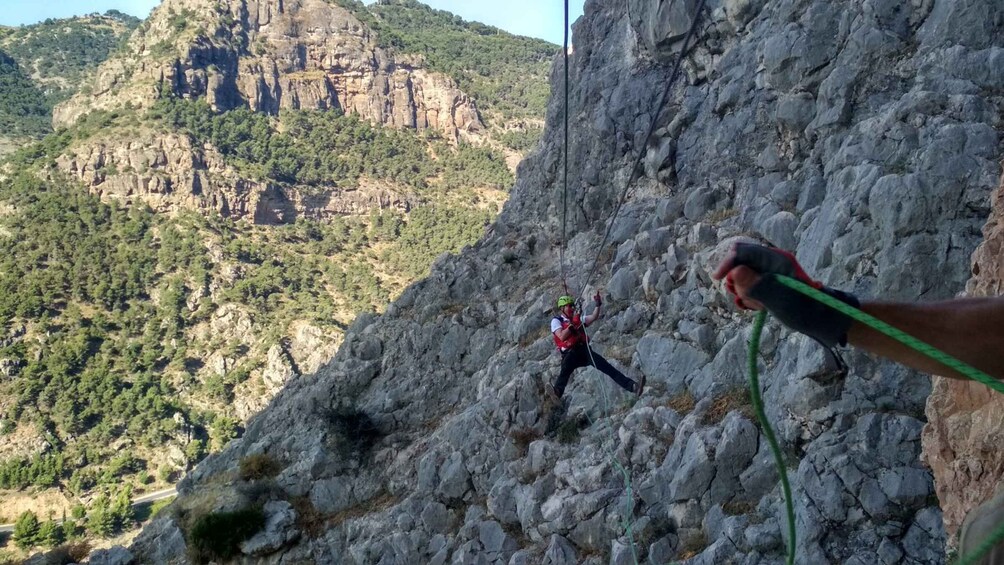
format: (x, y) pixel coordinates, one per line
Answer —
(598, 299)
(792, 308)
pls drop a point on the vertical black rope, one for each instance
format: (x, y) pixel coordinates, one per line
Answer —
(564, 192)
(644, 146)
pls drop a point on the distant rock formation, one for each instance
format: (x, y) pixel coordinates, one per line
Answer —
(273, 54)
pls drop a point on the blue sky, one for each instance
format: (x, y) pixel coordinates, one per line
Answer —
(536, 18)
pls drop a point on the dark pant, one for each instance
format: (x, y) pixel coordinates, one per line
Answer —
(578, 357)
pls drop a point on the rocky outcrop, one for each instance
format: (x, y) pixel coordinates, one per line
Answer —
(165, 171)
(274, 54)
(962, 437)
(861, 135)
(265, 55)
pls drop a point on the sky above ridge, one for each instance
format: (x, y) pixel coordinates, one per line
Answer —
(535, 18)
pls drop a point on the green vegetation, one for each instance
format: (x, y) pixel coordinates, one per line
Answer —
(113, 306)
(217, 536)
(105, 517)
(505, 73)
(59, 54)
(23, 108)
(325, 149)
(26, 530)
(63, 52)
(522, 140)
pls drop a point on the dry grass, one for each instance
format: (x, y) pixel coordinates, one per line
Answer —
(376, 504)
(693, 546)
(453, 309)
(258, 466)
(682, 403)
(738, 508)
(722, 404)
(524, 437)
(531, 337)
(719, 216)
(308, 519)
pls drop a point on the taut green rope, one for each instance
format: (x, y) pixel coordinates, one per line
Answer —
(878, 325)
(768, 431)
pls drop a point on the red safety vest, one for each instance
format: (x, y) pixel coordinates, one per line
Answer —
(576, 338)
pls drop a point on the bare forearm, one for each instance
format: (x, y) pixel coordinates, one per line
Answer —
(969, 329)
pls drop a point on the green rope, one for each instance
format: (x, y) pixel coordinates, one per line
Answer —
(878, 325)
(769, 432)
(982, 549)
(626, 521)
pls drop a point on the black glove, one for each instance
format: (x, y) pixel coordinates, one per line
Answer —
(598, 300)
(795, 310)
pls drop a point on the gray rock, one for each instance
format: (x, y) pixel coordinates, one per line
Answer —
(116, 555)
(796, 111)
(280, 530)
(559, 552)
(668, 361)
(779, 229)
(624, 285)
(330, 496)
(435, 517)
(502, 501)
(763, 537)
(906, 485)
(653, 243)
(693, 477)
(454, 479)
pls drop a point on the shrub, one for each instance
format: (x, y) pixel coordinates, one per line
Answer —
(258, 466)
(68, 553)
(568, 431)
(356, 429)
(217, 536)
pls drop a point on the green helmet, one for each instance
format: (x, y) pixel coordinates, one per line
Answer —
(565, 301)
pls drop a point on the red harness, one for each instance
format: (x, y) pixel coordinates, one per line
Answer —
(576, 338)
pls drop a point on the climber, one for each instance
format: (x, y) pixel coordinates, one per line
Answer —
(970, 329)
(571, 340)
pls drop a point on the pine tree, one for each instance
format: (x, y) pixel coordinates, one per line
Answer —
(50, 534)
(26, 530)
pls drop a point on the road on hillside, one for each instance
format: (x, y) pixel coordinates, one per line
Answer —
(152, 497)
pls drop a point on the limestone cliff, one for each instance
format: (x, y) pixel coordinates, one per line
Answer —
(272, 54)
(862, 135)
(963, 436)
(264, 55)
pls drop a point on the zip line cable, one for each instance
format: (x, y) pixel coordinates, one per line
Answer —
(564, 192)
(626, 521)
(890, 331)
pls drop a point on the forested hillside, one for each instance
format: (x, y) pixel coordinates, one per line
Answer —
(45, 63)
(132, 342)
(506, 74)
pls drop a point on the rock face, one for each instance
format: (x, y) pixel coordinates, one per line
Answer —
(962, 437)
(862, 134)
(273, 54)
